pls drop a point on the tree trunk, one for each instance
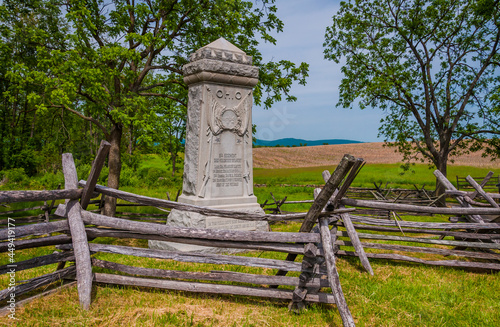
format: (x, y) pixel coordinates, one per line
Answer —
(92, 140)
(32, 133)
(442, 166)
(173, 155)
(131, 139)
(115, 167)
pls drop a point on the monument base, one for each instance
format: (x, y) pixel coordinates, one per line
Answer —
(189, 219)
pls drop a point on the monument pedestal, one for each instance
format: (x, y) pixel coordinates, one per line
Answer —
(189, 219)
(218, 168)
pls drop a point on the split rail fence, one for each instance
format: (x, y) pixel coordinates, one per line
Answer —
(329, 229)
(418, 196)
(493, 184)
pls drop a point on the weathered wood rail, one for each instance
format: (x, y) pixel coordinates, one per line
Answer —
(491, 183)
(77, 230)
(329, 230)
(44, 213)
(417, 196)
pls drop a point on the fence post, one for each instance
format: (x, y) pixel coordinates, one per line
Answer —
(94, 173)
(321, 201)
(78, 235)
(333, 276)
(448, 186)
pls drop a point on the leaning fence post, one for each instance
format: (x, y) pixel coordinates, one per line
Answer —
(322, 199)
(346, 218)
(78, 235)
(333, 276)
(94, 173)
(353, 236)
(310, 267)
(447, 185)
(480, 191)
(333, 183)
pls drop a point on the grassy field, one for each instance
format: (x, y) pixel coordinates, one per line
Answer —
(372, 153)
(390, 175)
(399, 294)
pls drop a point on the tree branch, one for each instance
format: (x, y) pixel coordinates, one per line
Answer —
(93, 120)
(163, 96)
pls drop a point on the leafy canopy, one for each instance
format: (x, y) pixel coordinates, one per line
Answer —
(109, 62)
(118, 53)
(431, 65)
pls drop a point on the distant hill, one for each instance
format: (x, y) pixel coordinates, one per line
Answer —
(298, 142)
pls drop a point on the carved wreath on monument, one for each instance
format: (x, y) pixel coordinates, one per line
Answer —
(221, 118)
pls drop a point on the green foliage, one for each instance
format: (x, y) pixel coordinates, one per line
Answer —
(13, 176)
(129, 177)
(431, 66)
(132, 161)
(26, 159)
(83, 170)
(24, 130)
(153, 175)
(49, 181)
(75, 72)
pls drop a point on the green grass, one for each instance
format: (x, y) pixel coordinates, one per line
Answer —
(155, 161)
(392, 174)
(399, 294)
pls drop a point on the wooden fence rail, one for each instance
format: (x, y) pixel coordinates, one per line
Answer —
(491, 184)
(76, 248)
(328, 230)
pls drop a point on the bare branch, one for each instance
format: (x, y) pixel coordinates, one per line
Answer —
(163, 96)
(93, 120)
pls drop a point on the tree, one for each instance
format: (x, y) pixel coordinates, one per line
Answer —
(432, 66)
(24, 131)
(169, 125)
(118, 54)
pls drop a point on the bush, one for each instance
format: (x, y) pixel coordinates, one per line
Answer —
(83, 171)
(48, 181)
(131, 161)
(103, 176)
(156, 176)
(13, 176)
(26, 159)
(129, 177)
(50, 159)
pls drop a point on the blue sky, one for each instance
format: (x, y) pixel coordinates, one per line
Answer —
(314, 115)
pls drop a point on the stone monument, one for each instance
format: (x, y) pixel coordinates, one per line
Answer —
(218, 150)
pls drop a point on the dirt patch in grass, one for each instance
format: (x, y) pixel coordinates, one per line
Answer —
(324, 155)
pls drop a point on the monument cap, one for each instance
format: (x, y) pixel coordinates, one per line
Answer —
(221, 62)
(223, 50)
